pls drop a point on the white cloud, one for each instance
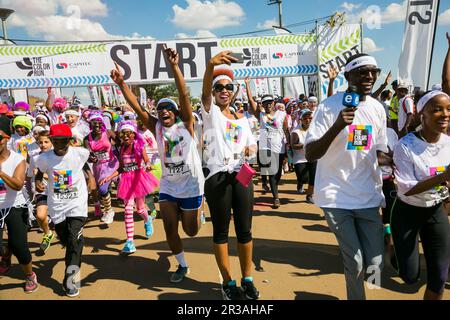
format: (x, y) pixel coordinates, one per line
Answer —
(268, 24)
(88, 8)
(394, 12)
(350, 6)
(444, 18)
(210, 15)
(62, 20)
(370, 46)
(199, 34)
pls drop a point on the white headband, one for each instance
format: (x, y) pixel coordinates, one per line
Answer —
(128, 127)
(221, 77)
(38, 129)
(72, 113)
(361, 62)
(313, 99)
(426, 98)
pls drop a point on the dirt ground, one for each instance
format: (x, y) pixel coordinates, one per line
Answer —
(295, 258)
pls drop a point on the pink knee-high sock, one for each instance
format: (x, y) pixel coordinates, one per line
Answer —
(129, 220)
(140, 206)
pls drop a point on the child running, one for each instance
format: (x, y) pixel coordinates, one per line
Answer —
(67, 199)
(135, 181)
(104, 161)
(181, 189)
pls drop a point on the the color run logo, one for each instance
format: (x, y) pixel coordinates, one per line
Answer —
(359, 137)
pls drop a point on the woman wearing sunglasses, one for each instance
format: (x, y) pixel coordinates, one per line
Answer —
(228, 141)
(13, 208)
(182, 181)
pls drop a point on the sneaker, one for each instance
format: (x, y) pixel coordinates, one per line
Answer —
(230, 291)
(154, 214)
(309, 199)
(98, 210)
(31, 284)
(149, 227)
(46, 241)
(129, 247)
(108, 217)
(276, 203)
(265, 188)
(301, 190)
(71, 292)
(180, 274)
(249, 289)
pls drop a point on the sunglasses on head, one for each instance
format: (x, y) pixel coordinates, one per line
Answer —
(219, 87)
(167, 107)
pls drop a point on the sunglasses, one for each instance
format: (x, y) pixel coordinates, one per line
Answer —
(220, 87)
(126, 133)
(365, 72)
(167, 107)
(4, 137)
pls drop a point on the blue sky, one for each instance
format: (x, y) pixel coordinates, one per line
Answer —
(109, 19)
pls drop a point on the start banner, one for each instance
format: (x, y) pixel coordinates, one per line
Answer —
(89, 64)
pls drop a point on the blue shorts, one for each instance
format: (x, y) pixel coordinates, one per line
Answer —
(185, 204)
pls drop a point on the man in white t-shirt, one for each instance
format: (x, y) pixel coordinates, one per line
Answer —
(405, 110)
(347, 141)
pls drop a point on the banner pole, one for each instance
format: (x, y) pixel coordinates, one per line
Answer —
(319, 87)
(432, 47)
(362, 34)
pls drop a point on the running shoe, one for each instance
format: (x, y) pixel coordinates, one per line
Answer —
(149, 227)
(31, 284)
(265, 188)
(309, 199)
(202, 218)
(154, 214)
(276, 203)
(249, 289)
(108, 217)
(129, 247)
(180, 274)
(71, 292)
(46, 241)
(230, 291)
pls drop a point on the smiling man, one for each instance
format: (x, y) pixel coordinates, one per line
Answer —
(347, 142)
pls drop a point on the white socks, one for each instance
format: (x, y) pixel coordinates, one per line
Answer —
(180, 259)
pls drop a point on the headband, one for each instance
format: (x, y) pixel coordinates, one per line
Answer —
(361, 62)
(426, 98)
(42, 116)
(39, 129)
(221, 77)
(128, 127)
(72, 113)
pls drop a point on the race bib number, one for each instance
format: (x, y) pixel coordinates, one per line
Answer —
(62, 183)
(175, 169)
(359, 137)
(132, 166)
(102, 155)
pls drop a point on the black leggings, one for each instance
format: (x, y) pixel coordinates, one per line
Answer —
(407, 222)
(223, 193)
(17, 223)
(305, 172)
(70, 233)
(389, 194)
(274, 179)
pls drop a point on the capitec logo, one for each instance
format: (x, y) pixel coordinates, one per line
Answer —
(278, 55)
(61, 66)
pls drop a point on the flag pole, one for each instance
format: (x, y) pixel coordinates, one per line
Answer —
(319, 88)
(432, 46)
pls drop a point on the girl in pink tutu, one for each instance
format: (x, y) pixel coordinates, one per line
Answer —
(135, 182)
(104, 161)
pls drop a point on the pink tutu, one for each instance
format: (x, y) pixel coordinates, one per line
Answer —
(136, 184)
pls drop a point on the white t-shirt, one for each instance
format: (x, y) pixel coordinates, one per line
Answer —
(392, 138)
(31, 174)
(79, 132)
(416, 160)
(151, 146)
(409, 105)
(225, 141)
(56, 117)
(272, 132)
(254, 124)
(67, 189)
(20, 144)
(8, 197)
(182, 175)
(299, 155)
(348, 175)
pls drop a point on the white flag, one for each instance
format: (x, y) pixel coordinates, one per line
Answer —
(93, 93)
(143, 97)
(418, 39)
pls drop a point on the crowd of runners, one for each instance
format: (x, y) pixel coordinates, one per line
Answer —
(376, 163)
